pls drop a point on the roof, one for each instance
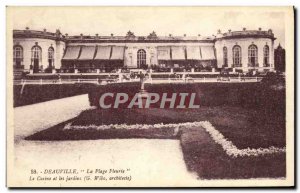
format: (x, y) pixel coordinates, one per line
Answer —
(132, 38)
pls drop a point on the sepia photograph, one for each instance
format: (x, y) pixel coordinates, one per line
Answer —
(150, 96)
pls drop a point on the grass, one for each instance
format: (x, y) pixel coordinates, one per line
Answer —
(244, 127)
(249, 115)
(209, 161)
(201, 154)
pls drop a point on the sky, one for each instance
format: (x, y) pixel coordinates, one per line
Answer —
(143, 20)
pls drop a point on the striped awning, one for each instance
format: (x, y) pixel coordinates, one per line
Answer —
(193, 53)
(164, 53)
(208, 53)
(117, 53)
(178, 53)
(87, 53)
(103, 53)
(72, 53)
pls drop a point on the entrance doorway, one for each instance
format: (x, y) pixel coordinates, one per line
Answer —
(141, 58)
(36, 56)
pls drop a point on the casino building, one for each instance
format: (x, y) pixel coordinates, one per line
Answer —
(237, 51)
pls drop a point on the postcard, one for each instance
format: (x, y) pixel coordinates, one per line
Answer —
(150, 96)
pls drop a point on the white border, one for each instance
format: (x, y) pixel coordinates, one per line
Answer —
(3, 3)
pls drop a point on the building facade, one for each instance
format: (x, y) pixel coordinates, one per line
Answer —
(47, 52)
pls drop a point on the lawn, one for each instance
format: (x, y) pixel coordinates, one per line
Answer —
(201, 154)
(248, 115)
(234, 123)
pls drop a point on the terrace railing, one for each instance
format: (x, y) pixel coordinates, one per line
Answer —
(203, 79)
(150, 80)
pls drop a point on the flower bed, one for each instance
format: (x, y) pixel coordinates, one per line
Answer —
(232, 150)
(206, 151)
(218, 138)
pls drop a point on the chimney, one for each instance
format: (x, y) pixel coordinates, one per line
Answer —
(184, 35)
(170, 35)
(45, 30)
(259, 29)
(112, 35)
(244, 29)
(66, 35)
(81, 36)
(229, 31)
(199, 35)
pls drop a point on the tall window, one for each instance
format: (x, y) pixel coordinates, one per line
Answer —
(266, 56)
(225, 57)
(36, 58)
(141, 58)
(36, 53)
(51, 57)
(237, 56)
(18, 55)
(252, 56)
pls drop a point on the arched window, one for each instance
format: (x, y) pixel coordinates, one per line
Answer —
(36, 53)
(252, 56)
(51, 56)
(237, 56)
(225, 57)
(36, 57)
(141, 58)
(266, 56)
(18, 55)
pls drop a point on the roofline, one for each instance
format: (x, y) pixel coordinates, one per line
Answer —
(57, 36)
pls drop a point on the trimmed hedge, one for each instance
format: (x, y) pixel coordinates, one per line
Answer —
(208, 94)
(39, 93)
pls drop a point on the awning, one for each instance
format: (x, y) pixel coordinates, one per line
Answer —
(163, 53)
(117, 53)
(178, 53)
(87, 53)
(207, 53)
(193, 53)
(103, 53)
(72, 53)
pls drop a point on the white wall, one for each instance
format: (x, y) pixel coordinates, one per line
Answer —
(244, 44)
(130, 58)
(28, 43)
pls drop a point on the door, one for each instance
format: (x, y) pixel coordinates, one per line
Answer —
(35, 65)
(141, 59)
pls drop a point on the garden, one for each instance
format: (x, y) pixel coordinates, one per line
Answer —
(238, 132)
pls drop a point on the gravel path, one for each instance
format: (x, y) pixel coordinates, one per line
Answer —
(30, 119)
(150, 161)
